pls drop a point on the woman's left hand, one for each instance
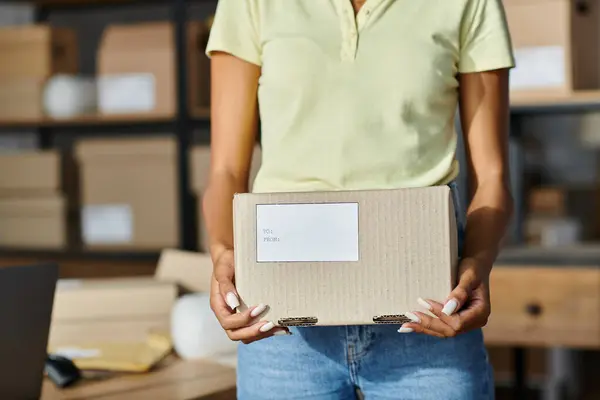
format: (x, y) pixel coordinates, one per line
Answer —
(467, 307)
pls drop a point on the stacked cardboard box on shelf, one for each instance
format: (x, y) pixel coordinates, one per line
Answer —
(199, 164)
(563, 215)
(556, 54)
(128, 193)
(36, 207)
(137, 69)
(32, 54)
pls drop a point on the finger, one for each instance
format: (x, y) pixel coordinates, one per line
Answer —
(434, 324)
(217, 302)
(254, 332)
(460, 295)
(242, 319)
(417, 328)
(223, 276)
(454, 321)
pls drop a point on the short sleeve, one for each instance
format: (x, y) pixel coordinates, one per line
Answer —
(485, 42)
(235, 30)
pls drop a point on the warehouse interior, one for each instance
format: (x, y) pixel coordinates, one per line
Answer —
(104, 148)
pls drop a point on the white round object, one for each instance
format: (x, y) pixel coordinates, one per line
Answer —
(67, 96)
(195, 331)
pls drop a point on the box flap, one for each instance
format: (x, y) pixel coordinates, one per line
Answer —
(191, 271)
(91, 149)
(347, 257)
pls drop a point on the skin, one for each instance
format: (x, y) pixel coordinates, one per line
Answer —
(484, 109)
(484, 116)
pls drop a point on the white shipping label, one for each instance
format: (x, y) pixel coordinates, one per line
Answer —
(307, 232)
(539, 67)
(127, 93)
(107, 224)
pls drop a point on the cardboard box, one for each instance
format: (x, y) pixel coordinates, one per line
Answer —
(558, 53)
(21, 98)
(137, 71)
(37, 51)
(36, 223)
(579, 203)
(346, 257)
(552, 231)
(80, 300)
(129, 193)
(200, 165)
(132, 330)
(191, 271)
(30, 173)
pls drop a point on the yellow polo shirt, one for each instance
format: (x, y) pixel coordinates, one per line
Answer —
(361, 101)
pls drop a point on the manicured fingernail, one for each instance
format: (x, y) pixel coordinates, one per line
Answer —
(258, 310)
(424, 303)
(282, 333)
(450, 307)
(405, 330)
(413, 317)
(232, 300)
(267, 327)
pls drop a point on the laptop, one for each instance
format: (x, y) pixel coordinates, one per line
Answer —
(26, 299)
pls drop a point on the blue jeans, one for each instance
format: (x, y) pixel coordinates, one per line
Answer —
(329, 363)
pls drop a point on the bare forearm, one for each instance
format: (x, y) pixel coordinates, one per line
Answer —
(487, 220)
(218, 210)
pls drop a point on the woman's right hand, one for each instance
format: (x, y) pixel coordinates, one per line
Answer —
(224, 300)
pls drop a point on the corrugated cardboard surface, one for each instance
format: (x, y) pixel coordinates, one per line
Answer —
(407, 249)
(119, 298)
(68, 333)
(36, 172)
(38, 223)
(191, 271)
(200, 164)
(138, 176)
(38, 51)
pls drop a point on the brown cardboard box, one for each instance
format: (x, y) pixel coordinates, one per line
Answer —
(129, 193)
(21, 98)
(126, 299)
(191, 271)
(38, 222)
(132, 330)
(346, 257)
(579, 203)
(136, 66)
(37, 51)
(200, 164)
(558, 53)
(30, 173)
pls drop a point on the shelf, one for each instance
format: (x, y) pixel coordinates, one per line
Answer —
(85, 265)
(125, 120)
(583, 255)
(581, 101)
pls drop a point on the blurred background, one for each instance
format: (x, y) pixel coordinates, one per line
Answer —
(104, 134)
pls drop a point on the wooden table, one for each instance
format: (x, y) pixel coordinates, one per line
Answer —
(172, 380)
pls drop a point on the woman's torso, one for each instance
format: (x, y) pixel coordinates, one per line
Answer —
(358, 102)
